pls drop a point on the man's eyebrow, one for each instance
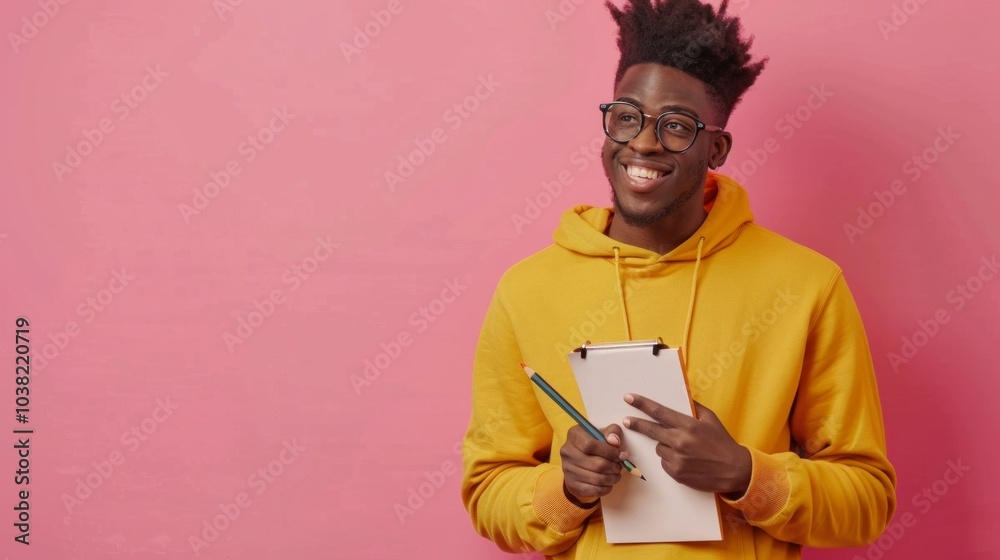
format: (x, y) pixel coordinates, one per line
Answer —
(664, 109)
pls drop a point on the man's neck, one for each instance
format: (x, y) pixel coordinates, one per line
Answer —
(660, 238)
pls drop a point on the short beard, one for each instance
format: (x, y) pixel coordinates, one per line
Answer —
(646, 220)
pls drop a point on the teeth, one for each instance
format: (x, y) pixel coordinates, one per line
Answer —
(643, 172)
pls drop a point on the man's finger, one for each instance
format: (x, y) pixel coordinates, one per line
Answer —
(587, 445)
(704, 413)
(666, 416)
(649, 428)
(585, 474)
(614, 434)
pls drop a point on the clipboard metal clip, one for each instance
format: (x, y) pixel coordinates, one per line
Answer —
(655, 345)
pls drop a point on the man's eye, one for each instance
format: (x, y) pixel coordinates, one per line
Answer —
(677, 126)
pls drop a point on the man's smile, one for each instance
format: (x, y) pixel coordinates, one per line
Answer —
(643, 176)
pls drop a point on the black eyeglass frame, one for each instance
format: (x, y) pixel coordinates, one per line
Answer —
(605, 107)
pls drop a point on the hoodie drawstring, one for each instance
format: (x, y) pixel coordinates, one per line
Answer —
(690, 312)
(621, 294)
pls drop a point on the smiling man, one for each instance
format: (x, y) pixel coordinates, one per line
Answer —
(789, 430)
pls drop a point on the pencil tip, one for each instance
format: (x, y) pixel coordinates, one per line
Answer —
(522, 365)
(642, 477)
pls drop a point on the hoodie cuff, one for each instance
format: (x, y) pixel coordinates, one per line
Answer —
(769, 489)
(553, 507)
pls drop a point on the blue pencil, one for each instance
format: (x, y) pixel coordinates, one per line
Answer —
(563, 404)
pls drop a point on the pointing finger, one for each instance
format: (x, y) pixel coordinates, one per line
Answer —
(653, 430)
(666, 416)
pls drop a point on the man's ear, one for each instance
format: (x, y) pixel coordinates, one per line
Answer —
(722, 144)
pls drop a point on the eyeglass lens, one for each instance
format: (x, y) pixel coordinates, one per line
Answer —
(676, 131)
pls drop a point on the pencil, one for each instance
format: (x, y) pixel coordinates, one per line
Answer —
(583, 422)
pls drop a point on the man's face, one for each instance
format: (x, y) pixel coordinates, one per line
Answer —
(680, 178)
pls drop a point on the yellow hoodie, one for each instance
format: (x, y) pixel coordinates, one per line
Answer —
(774, 346)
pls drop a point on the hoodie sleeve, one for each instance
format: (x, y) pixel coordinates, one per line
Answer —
(839, 490)
(512, 493)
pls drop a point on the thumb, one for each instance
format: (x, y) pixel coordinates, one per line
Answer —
(614, 434)
(705, 414)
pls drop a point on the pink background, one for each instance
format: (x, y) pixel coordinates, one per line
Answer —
(239, 409)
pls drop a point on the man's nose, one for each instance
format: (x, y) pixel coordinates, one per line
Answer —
(646, 141)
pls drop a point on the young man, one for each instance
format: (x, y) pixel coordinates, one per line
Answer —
(789, 431)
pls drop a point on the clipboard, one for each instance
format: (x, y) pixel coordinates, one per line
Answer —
(658, 509)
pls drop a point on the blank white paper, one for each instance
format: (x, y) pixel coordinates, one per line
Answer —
(658, 509)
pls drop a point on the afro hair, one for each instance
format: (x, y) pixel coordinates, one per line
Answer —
(691, 37)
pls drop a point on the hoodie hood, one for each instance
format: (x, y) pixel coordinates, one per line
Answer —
(581, 229)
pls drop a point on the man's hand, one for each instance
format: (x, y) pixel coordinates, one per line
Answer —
(697, 452)
(591, 467)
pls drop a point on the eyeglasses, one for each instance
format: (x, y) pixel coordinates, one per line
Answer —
(676, 132)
